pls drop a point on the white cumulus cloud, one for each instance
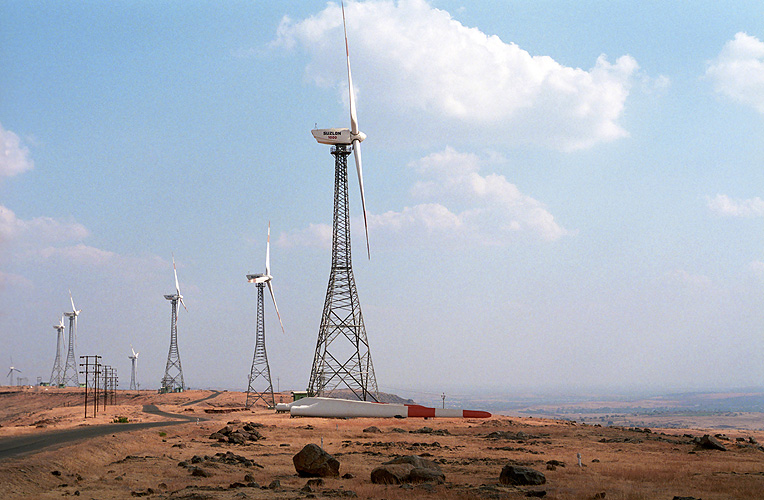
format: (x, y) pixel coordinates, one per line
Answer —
(38, 229)
(488, 204)
(738, 71)
(78, 254)
(455, 202)
(725, 206)
(424, 71)
(315, 235)
(14, 156)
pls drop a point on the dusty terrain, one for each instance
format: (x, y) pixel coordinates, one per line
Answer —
(617, 462)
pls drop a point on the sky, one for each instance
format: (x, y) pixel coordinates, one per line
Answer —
(561, 196)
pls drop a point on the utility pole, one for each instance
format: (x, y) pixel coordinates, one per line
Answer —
(92, 371)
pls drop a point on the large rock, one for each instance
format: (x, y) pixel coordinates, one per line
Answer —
(312, 461)
(408, 469)
(519, 476)
(710, 443)
(391, 474)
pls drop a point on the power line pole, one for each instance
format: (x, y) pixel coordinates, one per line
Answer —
(92, 371)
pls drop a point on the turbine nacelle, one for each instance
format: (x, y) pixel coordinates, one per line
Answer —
(337, 136)
(259, 278)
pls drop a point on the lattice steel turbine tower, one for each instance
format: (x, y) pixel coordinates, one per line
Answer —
(260, 384)
(173, 372)
(70, 377)
(343, 358)
(57, 374)
(134, 359)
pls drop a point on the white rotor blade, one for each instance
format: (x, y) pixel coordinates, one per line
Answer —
(359, 169)
(270, 289)
(353, 116)
(180, 298)
(131, 348)
(74, 309)
(268, 251)
(177, 286)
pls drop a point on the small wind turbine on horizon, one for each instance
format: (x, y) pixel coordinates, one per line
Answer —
(260, 367)
(70, 368)
(57, 374)
(173, 373)
(134, 359)
(12, 369)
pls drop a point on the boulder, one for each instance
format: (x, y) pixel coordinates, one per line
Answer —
(312, 461)
(408, 469)
(199, 472)
(519, 476)
(709, 443)
(391, 474)
(373, 429)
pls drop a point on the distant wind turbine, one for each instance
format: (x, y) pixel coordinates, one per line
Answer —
(260, 367)
(12, 369)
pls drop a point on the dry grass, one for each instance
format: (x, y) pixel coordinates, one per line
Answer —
(629, 465)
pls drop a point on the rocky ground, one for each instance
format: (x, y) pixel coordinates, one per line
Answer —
(232, 453)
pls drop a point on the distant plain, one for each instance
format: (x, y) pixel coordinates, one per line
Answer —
(623, 462)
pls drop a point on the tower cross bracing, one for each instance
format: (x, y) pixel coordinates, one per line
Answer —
(173, 372)
(71, 377)
(57, 373)
(260, 385)
(342, 359)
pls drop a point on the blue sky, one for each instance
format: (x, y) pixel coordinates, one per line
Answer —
(561, 196)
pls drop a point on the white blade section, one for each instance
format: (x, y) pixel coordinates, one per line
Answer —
(177, 286)
(353, 116)
(268, 251)
(270, 289)
(359, 169)
(74, 309)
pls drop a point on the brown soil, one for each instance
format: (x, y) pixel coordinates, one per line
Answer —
(621, 463)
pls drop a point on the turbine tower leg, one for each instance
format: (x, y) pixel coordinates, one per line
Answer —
(342, 360)
(173, 372)
(71, 377)
(57, 374)
(260, 368)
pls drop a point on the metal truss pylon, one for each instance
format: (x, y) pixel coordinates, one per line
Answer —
(342, 360)
(173, 372)
(260, 385)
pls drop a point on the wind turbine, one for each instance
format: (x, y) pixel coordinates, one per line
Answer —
(348, 137)
(71, 378)
(134, 359)
(57, 374)
(342, 355)
(173, 372)
(12, 369)
(260, 367)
